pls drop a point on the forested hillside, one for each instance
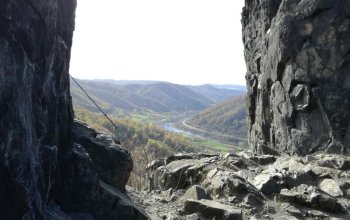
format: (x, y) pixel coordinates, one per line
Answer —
(148, 96)
(145, 142)
(218, 93)
(158, 97)
(227, 117)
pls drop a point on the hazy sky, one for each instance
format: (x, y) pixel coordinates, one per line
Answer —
(181, 41)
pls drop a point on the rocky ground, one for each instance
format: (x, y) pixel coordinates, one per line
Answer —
(244, 186)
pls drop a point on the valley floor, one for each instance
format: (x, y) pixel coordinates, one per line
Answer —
(176, 122)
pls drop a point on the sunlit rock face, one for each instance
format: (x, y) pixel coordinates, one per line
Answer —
(298, 75)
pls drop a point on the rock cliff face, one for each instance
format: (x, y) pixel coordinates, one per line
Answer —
(298, 62)
(45, 171)
(35, 113)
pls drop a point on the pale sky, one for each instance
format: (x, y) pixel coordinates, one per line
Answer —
(180, 41)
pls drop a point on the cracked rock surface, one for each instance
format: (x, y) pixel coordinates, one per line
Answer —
(298, 60)
(48, 168)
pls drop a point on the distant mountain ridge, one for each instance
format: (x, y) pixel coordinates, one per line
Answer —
(148, 82)
(218, 93)
(147, 95)
(126, 82)
(230, 87)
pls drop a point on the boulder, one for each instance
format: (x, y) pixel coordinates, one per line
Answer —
(177, 157)
(310, 196)
(212, 210)
(324, 172)
(178, 174)
(235, 163)
(253, 200)
(263, 159)
(333, 161)
(224, 183)
(112, 163)
(295, 171)
(286, 172)
(215, 180)
(266, 183)
(239, 161)
(293, 211)
(314, 214)
(345, 187)
(117, 205)
(156, 163)
(331, 187)
(196, 192)
(89, 195)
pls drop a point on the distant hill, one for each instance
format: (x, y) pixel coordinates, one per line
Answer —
(80, 100)
(127, 82)
(218, 93)
(230, 87)
(157, 97)
(227, 117)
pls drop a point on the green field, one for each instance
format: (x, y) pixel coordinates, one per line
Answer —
(146, 119)
(157, 118)
(202, 139)
(215, 146)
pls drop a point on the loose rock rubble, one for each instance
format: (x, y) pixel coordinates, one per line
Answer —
(246, 186)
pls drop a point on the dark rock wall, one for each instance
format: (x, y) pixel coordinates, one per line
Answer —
(35, 112)
(45, 172)
(298, 75)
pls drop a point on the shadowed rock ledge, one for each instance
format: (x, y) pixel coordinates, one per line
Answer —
(298, 61)
(45, 172)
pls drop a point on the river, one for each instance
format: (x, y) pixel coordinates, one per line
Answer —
(170, 127)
